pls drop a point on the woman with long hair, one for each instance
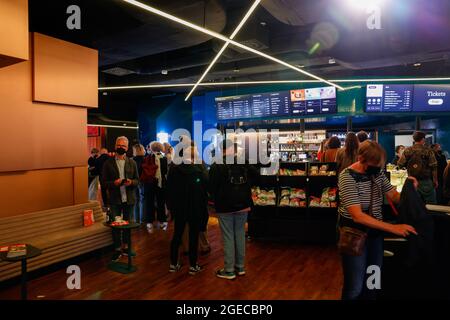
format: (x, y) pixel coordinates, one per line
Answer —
(333, 145)
(349, 154)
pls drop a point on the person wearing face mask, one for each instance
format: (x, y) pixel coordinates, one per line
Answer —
(187, 198)
(441, 165)
(120, 177)
(398, 154)
(361, 189)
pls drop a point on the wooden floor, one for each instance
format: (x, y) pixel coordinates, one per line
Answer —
(274, 271)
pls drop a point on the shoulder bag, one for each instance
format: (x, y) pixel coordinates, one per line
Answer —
(351, 240)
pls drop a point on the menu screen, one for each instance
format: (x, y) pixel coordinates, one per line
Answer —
(278, 104)
(389, 98)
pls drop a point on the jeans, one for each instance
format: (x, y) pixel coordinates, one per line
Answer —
(355, 269)
(139, 207)
(233, 235)
(126, 210)
(427, 191)
(152, 193)
(194, 230)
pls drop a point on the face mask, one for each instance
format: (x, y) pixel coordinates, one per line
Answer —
(121, 151)
(373, 171)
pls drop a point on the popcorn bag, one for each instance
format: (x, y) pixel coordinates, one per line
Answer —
(88, 217)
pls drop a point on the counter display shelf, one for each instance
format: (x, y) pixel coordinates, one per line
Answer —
(290, 214)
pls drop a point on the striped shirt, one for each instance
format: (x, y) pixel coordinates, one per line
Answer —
(355, 189)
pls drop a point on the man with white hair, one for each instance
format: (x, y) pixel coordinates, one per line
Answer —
(120, 176)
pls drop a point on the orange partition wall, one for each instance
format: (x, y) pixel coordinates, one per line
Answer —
(40, 135)
(43, 164)
(13, 31)
(29, 191)
(64, 73)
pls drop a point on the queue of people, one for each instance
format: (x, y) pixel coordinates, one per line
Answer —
(425, 163)
(150, 188)
(185, 189)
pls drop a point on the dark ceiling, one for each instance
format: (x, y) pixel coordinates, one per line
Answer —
(142, 44)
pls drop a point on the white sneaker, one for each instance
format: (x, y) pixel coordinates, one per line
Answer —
(150, 228)
(164, 226)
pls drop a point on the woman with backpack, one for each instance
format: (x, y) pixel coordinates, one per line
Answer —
(230, 188)
(187, 200)
(154, 172)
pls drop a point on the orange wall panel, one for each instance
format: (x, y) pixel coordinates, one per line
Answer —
(64, 73)
(13, 31)
(80, 185)
(29, 191)
(40, 135)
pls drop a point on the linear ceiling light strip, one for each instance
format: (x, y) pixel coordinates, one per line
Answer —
(216, 58)
(214, 84)
(111, 126)
(225, 39)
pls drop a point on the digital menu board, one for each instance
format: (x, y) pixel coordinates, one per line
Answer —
(389, 98)
(407, 98)
(278, 104)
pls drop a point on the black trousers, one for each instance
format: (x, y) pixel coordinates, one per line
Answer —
(194, 230)
(152, 194)
(104, 193)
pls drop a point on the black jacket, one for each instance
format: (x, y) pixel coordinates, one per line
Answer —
(222, 192)
(99, 162)
(139, 160)
(110, 173)
(412, 211)
(186, 193)
(442, 164)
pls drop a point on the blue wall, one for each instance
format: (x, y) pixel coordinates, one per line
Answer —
(172, 112)
(163, 115)
(350, 103)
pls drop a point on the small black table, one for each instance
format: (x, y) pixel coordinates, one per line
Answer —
(120, 266)
(31, 253)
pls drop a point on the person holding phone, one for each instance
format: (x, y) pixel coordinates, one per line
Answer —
(120, 176)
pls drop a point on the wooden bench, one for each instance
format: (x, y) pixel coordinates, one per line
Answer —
(58, 232)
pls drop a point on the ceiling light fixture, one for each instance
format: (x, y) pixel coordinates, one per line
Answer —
(225, 39)
(227, 43)
(237, 83)
(111, 126)
(418, 64)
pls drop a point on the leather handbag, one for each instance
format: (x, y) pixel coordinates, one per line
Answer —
(352, 241)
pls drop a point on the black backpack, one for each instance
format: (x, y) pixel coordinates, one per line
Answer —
(417, 165)
(237, 191)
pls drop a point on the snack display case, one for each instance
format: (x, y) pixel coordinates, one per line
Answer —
(298, 203)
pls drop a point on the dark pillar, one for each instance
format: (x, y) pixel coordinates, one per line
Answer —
(302, 125)
(349, 123)
(418, 123)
